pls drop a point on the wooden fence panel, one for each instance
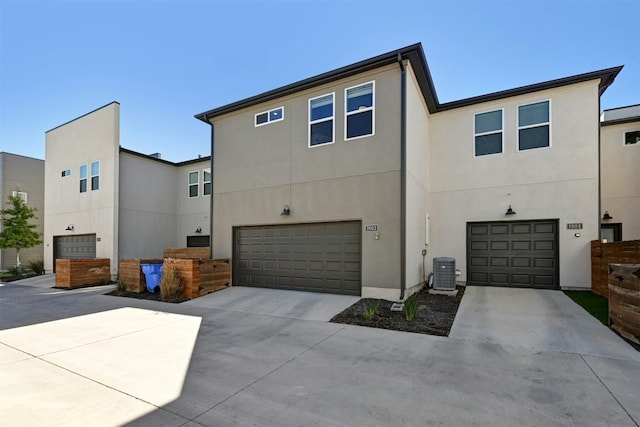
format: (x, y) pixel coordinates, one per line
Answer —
(201, 253)
(132, 276)
(73, 273)
(603, 254)
(624, 300)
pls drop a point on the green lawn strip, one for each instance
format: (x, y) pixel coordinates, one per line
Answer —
(596, 305)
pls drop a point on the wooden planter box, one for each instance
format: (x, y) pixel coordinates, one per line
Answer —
(73, 273)
(201, 277)
(624, 300)
(200, 253)
(132, 276)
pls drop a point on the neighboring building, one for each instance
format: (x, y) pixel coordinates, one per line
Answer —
(620, 163)
(104, 201)
(23, 176)
(338, 183)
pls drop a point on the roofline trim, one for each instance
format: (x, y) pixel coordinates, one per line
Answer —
(620, 121)
(84, 115)
(167, 162)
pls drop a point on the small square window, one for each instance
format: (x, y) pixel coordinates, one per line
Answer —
(632, 138)
(66, 173)
(21, 194)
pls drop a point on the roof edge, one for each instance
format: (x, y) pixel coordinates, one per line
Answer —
(166, 162)
(620, 121)
(84, 115)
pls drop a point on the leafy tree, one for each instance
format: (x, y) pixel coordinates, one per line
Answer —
(17, 233)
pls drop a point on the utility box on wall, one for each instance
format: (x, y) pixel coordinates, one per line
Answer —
(444, 274)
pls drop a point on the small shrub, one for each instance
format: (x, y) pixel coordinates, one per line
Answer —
(171, 286)
(410, 308)
(37, 266)
(370, 311)
(15, 271)
(121, 286)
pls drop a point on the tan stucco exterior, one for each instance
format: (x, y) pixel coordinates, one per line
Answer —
(621, 178)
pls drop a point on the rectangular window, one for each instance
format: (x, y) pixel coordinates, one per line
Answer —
(83, 178)
(206, 182)
(359, 111)
(20, 194)
(66, 173)
(321, 124)
(270, 116)
(95, 175)
(534, 125)
(632, 138)
(193, 183)
(488, 132)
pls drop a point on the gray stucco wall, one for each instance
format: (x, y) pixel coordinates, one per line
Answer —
(257, 170)
(23, 174)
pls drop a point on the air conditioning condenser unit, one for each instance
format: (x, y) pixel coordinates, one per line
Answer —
(444, 274)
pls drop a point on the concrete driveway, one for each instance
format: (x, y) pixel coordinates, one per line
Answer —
(83, 358)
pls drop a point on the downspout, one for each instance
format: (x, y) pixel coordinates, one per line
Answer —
(403, 175)
(599, 172)
(212, 193)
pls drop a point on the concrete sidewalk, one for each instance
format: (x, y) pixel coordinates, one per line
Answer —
(90, 359)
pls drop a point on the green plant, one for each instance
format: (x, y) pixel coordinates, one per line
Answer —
(17, 233)
(370, 311)
(410, 308)
(37, 266)
(121, 286)
(15, 271)
(171, 286)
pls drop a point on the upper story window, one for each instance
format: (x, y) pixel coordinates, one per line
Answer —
(20, 194)
(321, 123)
(83, 178)
(193, 183)
(270, 116)
(66, 173)
(206, 182)
(95, 175)
(632, 138)
(534, 125)
(359, 111)
(488, 132)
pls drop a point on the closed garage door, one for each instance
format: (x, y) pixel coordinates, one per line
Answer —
(77, 246)
(322, 257)
(514, 254)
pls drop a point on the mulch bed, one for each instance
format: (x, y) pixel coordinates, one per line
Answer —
(435, 314)
(14, 278)
(143, 295)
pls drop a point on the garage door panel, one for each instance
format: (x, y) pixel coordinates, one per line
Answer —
(517, 253)
(321, 257)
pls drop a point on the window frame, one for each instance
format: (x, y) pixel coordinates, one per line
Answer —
(322, 120)
(197, 184)
(22, 194)
(91, 175)
(624, 138)
(360, 111)
(268, 113)
(85, 179)
(540, 124)
(476, 134)
(204, 182)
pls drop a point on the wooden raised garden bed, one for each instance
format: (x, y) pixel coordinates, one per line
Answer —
(73, 273)
(201, 277)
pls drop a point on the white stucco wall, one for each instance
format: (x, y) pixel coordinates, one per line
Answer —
(192, 212)
(621, 178)
(92, 137)
(559, 182)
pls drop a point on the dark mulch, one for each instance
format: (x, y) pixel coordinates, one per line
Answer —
(434, 317)
(14, 278)
(143, 295)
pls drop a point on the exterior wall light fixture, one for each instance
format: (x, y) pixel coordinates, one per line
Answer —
(510, 211)
(69, 227)
(606, 216)
(286, 210)
(199, 230)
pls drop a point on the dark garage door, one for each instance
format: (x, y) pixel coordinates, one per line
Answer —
(514, 254)
(323, 257)
(77, 246)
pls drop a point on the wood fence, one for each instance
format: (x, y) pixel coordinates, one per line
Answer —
(132, 276)
(624, 300)
(603, 254)
(73, 273)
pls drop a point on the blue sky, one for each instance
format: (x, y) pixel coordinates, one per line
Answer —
(165, 61)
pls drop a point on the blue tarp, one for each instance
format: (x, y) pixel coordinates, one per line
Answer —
(153, 276)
